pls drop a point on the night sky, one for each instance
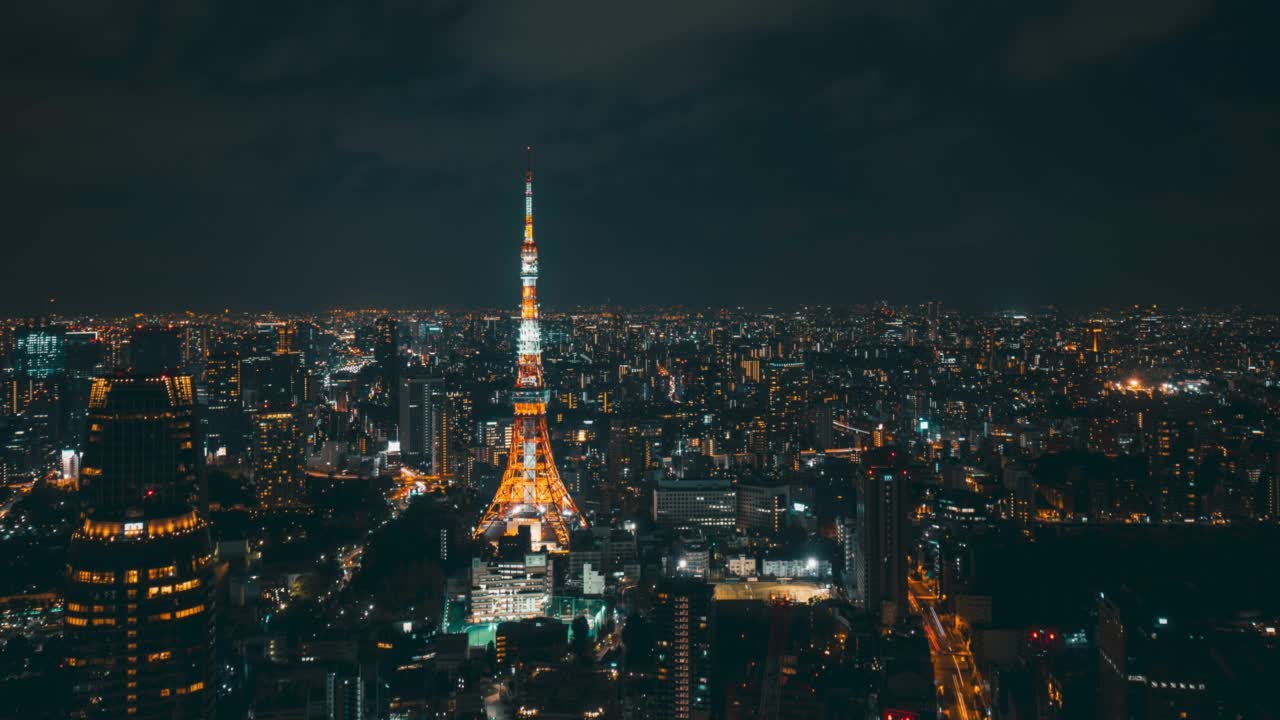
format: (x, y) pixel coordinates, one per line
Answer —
(305, 155)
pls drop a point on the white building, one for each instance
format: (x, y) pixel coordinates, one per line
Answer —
(802, 568)
(742, 566)
(686, 504)
(592, 581)
(508, 589)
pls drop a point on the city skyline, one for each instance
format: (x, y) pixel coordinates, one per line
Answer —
(817, 152)
(873, 361)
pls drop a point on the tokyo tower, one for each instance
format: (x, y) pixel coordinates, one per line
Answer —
(531, 493)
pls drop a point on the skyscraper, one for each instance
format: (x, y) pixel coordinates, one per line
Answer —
(39, 353)
(386, 351)
(277, 459)
(139, 593)
(225, 416)
(424, 424)
(531, 493)
(682, 628)
(882, 528)
(154, 349)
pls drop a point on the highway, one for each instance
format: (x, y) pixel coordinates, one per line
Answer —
(954, 670)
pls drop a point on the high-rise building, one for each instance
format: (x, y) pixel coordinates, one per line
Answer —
(195, 345)
(39, 353)
(142, 444)
(695, 504)
(139, 577)
(682, 628)
(762, 506)
(386, 351)
(425, 424)
(882, 526)
(531, 493)
(225, 410)
(1151, 664)
(344, 695)
(154, 349)
(277, 459)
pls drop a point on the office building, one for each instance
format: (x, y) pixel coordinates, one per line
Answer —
(277, 459)
(39, 353)
(154, 350)
(1151, 664)
(688, 504)
(762, 507)
(139, 578)
(386, 352)
(424, 424)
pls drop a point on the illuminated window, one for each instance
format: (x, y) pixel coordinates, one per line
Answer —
(165, 692)
(130, 577)
(188, 612)
(162, 572)
(196, 686)
(76, 621)
(97, 578)
(159, 656)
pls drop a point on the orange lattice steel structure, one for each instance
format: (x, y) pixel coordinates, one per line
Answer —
(531, 492)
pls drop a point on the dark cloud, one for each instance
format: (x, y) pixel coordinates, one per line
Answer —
(1094, 29)
(306, 154)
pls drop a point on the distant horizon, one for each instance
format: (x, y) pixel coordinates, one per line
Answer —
(513, 311)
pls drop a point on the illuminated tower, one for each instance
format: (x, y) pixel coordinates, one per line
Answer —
(531, 493)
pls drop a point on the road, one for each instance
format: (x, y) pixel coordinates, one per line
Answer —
(18, 493)
(953, 667)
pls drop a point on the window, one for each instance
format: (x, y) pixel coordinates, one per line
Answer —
(96, 578)
(159, 656)
(162, 572)
(188, 612)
